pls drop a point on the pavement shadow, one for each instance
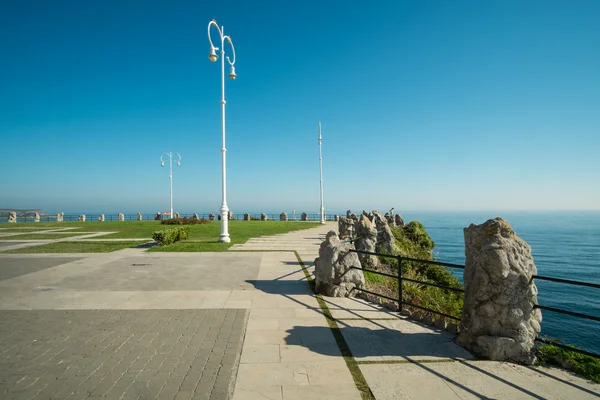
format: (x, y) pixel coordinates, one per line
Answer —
(282, 287)
(365, 342)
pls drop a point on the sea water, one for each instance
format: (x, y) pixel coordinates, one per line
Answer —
(564, 245)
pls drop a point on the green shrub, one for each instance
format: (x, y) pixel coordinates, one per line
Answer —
(184, 221)
(171, 235)
(413, 241)
(586, 366)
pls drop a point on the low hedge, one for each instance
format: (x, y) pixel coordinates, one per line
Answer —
(184, 221)
(171, 235)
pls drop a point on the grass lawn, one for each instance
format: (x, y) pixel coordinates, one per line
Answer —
(40, 236)
(125, 229)
(74, 247)
(203, 237)
(206, 237)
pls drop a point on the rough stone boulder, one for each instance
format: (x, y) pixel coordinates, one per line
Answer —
(101, 217)
(121, 217)
(12, 217)
(246, 217)
(304, 217)
(139, 216)
(264, 217)
(390, 219)
(283, 217)
(211, 217)
(36, 217)
(386, 242)
(81, 218)
(333, 276)
(157, 217)
(194, 216)
(60, 217)
(346, 227)
(367, 241)
(398, 220)
(177, 215)
(499, 321)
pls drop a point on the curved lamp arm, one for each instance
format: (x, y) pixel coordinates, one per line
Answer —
(179, 160)
(162, 162)
(213, 23)
(232, 50)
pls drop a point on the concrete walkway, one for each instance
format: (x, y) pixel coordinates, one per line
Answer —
(289, 351)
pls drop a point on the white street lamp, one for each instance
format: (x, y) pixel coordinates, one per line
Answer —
(224, 236)
(321, 170)
(162, 164)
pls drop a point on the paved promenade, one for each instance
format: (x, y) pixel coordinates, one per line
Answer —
(242, 324)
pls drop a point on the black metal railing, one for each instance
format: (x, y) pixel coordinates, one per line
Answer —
(400, 300)
(567, 312)
(401, 278)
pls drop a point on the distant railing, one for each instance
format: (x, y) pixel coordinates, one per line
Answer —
(146, 217)
(400, 300)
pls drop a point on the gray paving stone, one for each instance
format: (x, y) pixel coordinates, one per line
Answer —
(11, 267)
(113, 354)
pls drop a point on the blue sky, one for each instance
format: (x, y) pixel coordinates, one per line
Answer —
(425, 105)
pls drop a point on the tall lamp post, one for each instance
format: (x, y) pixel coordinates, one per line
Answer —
(162, 164)
(224, 236)
(321, 170)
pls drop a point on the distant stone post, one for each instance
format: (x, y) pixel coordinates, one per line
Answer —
(246, 217)
(60, 216)
(139, 216)
(303, 217)
(211, 217)
(121, 217)
(366, 232)
(398, 220)
(264, 217)
(176, 214)
(157, 217)
(101, 218)
(283, 217)
(195, 216)
(499, 320)
(36, 217)
(81, 218)
(230, 215)
(12, 217)
(345, 227)
(336, 217)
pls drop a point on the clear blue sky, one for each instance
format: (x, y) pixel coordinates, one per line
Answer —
(425, 105)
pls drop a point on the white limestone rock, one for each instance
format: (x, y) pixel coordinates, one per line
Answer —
(333, 276)
(499, 321)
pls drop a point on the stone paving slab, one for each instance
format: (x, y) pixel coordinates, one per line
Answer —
(474, 380)
(164, 354)
(11, 267)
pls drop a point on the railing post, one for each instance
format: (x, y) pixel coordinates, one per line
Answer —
(400, 297)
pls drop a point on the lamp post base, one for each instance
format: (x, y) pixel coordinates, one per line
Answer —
(224, 238)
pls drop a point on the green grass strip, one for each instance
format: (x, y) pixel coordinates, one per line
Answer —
(357, 375)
